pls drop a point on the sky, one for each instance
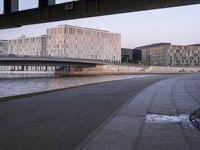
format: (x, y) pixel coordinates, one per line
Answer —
(177, 25)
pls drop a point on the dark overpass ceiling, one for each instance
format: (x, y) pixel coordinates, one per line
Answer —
(48, 11)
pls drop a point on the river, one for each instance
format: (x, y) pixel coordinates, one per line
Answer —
(12, 85)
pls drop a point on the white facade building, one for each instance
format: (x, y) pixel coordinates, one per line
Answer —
(85, 43)
(70, 42)
(3, 47)
(34, 46)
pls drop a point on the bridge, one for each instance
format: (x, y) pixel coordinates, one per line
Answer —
(48, 10)
(50, 61)
(30, 63)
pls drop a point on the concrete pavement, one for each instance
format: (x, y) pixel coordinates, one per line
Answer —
(156, 119)
(61, 120)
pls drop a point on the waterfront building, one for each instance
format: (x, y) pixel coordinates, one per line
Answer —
(127, 55)
(137, 56)
(76, 42)
(165, 54)
(3, 47)
(131, 55)
(32, 46)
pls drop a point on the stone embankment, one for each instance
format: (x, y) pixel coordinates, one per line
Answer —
(128, 69)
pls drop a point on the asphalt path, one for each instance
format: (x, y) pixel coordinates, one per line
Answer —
(61, 120)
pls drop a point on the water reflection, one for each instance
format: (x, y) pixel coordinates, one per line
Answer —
(10, 86)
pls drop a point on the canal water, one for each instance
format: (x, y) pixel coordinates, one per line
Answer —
(11, 85)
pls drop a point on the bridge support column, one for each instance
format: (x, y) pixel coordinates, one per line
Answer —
(11, 6)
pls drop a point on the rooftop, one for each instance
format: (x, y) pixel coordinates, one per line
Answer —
(64, 25)
(153, 45)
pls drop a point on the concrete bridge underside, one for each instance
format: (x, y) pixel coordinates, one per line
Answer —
(48, 11)
(48, 61)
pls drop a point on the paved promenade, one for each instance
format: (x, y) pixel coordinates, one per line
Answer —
(61, 120)
(136, 114)
(156, 119)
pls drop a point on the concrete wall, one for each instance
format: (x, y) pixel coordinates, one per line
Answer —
(160, 69)
(137, 69)
(114, 68)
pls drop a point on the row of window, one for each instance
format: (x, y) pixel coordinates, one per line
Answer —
(82, 32)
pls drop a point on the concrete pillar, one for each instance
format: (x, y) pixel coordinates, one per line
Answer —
(11, 6)
(44, 3)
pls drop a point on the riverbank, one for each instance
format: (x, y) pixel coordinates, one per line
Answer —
(60, 73)
(114, 69)
(127, 70)
(52, 84)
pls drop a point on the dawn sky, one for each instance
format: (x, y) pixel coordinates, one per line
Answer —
(178, 25)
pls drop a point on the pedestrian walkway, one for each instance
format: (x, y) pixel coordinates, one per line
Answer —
(156, 119)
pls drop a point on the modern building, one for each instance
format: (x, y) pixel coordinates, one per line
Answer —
(165, 54)
(127, 55)
(137, 56)
(131, 55)
(70, 42)
(76, 42)
(33, 46)
(3, 47)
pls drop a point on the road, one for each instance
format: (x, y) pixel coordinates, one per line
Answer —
(61, 120)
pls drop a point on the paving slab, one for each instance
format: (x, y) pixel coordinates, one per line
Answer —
(166, 136)
(116, 134)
